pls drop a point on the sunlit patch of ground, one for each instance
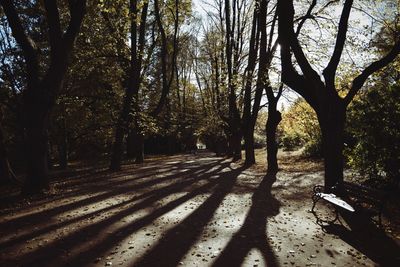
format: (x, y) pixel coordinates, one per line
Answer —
(184, 210)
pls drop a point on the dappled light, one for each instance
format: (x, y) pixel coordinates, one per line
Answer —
(199, 133)
(209, 212)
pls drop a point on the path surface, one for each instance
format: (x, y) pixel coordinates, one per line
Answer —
(186, 210)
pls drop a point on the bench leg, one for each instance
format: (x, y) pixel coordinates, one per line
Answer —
(319, 220)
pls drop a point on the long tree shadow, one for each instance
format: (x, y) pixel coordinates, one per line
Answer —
(148, 197)
(178, 241)
(253, 233)
(86, 181)
(49, 254)
(367, 238)
(119, 187)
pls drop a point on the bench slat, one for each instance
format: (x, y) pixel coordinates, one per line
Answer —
(332, 198)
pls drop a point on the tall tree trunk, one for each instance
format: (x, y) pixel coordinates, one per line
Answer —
(135, 146)
(130, 145)
(5, 169)
(322, 94)
(234, 116)
(139, 148)
(36, 141)
(249, 147)
(274, 117)
(236, 144)
(267, 50)
(122, 124)
(166, 83)
(41, 93)
(247, 120)
(332, 119)
(132, 91)
(63, 146)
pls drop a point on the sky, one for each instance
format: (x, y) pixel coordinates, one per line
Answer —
(361, 31)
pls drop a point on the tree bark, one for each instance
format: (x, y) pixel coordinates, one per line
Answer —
(139, 151)
(234, 116)
(332, 118)
(274, 118)
(135, 146)
(166, 83)
(266, 50)
(5, 169)
(236, 144)
(36, 141)
(322, 95)
(121, 127)
(130, 145)
(249, 147)
(63, 146)
(41, 93)
(247, 120)
(132, 91)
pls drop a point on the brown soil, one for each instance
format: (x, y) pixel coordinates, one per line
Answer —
(187, 210)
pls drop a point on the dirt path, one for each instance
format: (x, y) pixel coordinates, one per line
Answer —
(186, 210)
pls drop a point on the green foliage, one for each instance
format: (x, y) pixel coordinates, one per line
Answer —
(299, 128)
(374, 122)
(259, 129)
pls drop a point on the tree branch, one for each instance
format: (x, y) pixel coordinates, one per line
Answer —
(77, 9)
(27, 45)
(330, 71)
(53, 22)
(305, 17)
(359, 81)
(289, 75)
(286, 14)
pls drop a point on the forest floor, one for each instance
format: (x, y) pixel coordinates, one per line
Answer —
(187, 210)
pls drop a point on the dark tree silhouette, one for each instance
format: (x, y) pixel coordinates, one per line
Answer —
(42, 90)
(132, 90)
(6, 173)
(234, 132)
(322, 95)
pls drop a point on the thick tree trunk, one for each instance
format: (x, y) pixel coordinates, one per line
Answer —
(130, 145)
(63, 147)
(332, 122)
(139, 148)
(131, 94)
(5, 170)
(36, 141)
(229, 148)
(135, 146)
(274, 118)
(116, 155)
(234, 149)
(249, 146)
(237, 146)
(40, 95)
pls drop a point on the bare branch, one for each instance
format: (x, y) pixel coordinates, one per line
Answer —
(77, 10)
(359, 81)
(330, 71)
(53, 22)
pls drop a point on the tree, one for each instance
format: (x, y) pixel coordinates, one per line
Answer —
(6, 173)
(232, 56)
(249, 116)
(267, 52)
(299, 128)
(374, 129)
(374, 144)
(322, 94)
(42, 90)
(133, 86)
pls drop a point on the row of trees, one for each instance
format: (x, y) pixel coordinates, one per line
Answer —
(151, 76)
